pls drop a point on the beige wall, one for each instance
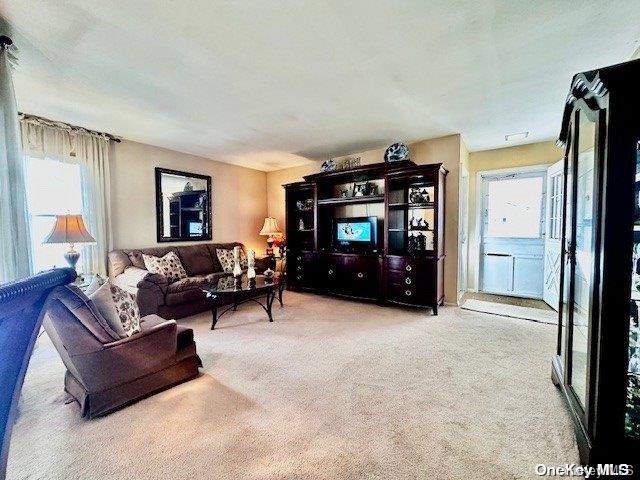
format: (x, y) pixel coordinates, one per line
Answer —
(523, 155)
(446, 150)
(239, 196)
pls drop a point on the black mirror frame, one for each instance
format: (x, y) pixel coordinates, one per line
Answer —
(159, 207)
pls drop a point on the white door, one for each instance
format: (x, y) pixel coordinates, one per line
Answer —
(512, 247)
(553, 234)
(463, 227)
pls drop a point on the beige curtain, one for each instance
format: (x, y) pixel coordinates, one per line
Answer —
(15, 259)
(92, 151)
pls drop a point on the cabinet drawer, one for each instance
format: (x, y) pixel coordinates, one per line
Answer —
(408, 264)
(405, 294)
(301, 269)
(398, 277)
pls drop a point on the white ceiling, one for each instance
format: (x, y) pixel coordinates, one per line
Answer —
(265, 83)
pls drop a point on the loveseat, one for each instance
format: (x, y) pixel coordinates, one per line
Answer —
(155, 295)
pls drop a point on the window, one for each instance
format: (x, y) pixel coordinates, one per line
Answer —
(514, 207)
(53, 188)
(555, 216)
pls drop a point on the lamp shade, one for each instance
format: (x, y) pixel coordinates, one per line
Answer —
(270, 227)
(69, 229)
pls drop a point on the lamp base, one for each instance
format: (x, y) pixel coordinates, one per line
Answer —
(270, 245)
(72, 257)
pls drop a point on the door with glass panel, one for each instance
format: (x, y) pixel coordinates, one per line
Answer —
(512, 247)
(553, 234)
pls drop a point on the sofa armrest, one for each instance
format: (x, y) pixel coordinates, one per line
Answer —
(129, 358)
(151, 293)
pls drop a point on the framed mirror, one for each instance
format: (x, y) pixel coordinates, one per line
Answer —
(183, 206)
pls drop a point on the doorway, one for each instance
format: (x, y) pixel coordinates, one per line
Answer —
(512, 232)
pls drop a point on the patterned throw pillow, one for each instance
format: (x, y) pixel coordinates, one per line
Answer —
(169, 266)
(225, 257)
(127, 309)
(119, 308)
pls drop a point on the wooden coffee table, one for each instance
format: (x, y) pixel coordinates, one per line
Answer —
(236, 291)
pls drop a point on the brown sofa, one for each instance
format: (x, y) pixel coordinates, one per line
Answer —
(170, 300)
(106, 372)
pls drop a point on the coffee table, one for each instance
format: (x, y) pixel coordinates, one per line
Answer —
(236, 291)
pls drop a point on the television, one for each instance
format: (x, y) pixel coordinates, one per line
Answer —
(195, 229)
(355, 234)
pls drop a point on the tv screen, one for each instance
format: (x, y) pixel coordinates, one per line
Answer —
(195, 229)
(353, 231)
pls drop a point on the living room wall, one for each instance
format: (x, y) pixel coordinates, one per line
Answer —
(447, 150)
(239, 196)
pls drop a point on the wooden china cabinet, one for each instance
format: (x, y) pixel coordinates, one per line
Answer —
(596, 365)
(400, 208)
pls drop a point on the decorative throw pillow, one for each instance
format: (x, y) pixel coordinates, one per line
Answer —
(169, 266)
(119, 308)
(127, 308)
(225, 257)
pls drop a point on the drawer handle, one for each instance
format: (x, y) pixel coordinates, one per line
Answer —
(407, 293)
(408, 268)
(331, 271)
(298, 258)
(360, 275)
(299, 277)
(407, 281)
(299, 267)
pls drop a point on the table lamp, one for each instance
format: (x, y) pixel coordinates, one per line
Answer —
(270, 228)
(69, 229)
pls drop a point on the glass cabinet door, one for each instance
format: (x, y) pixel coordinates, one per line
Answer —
(579, 258)
(632, 416)
(584, 257)
(567, 254)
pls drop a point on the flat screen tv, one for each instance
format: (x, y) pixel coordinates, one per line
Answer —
(195, 229)
(357, 233)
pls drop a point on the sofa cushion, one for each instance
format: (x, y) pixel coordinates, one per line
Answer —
(118, 308)
(196, 259)
(226, 259)
(136, 255)
(169, 266)
(212, 250)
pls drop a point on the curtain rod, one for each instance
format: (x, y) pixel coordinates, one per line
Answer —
(54, 123)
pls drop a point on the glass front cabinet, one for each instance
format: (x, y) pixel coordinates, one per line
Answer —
(597, 362)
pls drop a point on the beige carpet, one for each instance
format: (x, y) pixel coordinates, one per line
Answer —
(332, 389)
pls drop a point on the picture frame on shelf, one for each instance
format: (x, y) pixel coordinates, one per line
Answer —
(361, 189)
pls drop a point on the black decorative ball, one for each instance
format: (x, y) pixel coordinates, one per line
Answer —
(396, 153)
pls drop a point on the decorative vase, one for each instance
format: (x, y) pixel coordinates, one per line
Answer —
(237, 269)
(251, 263)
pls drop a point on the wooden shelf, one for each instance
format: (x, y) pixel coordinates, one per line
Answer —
(411, 229)
(412, 205)
(352, 200)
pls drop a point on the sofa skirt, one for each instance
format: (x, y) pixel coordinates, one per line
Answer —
(101, 403)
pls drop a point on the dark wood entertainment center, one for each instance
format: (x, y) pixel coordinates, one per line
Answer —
(396, 257)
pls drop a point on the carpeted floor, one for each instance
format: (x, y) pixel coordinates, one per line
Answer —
(332, 389)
